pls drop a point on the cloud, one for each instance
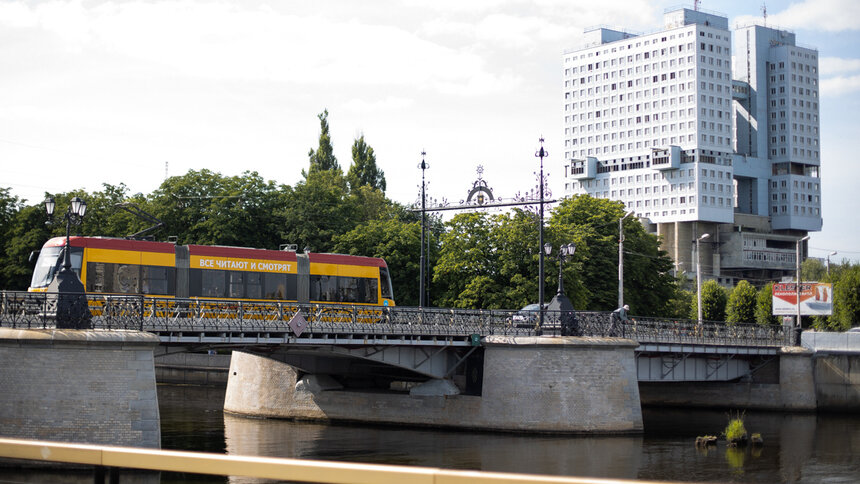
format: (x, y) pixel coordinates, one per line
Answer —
(836, 86)
(390, 103)
(827, 15)
(835, 65)
(232, 41)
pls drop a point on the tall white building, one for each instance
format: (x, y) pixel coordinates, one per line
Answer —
(657, 121)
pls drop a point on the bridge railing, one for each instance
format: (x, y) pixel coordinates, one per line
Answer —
(196, 315)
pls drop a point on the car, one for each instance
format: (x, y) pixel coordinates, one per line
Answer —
(526, 317)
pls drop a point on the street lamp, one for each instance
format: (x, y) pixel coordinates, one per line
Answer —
(621, 258)
(797, 329)
(423, 165)
(828, 261)
(699, 275)
(67, 288)
(541, 153)
(560, 307)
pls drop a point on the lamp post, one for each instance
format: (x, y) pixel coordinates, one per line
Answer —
(621, 258)
(541, 153)
(423, 165)
(561, 307)
(828, 261)
(67, 288)
(699, 276)
(797, 328)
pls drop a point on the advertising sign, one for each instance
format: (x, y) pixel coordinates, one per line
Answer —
(816, 299)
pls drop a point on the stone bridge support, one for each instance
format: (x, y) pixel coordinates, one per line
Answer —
(528, 384)
(86, 386)
(786, 383)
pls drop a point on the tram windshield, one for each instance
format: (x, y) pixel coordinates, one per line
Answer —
(50, 261)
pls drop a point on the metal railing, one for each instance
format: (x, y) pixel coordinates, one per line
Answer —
(26, 310)
(102, 456)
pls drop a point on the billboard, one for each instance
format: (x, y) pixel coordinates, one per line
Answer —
(816, 299)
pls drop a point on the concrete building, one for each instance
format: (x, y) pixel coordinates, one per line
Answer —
(664, 123)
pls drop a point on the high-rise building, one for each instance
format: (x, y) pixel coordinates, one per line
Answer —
(659, 122)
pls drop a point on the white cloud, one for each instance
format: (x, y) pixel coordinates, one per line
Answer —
(829, 66)
(836, 86)
(230, 41)
(390, 103)
(827, 15)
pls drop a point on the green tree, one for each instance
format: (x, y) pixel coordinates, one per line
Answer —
(846, 300)
(467, 262)
(813, 269)
(592, 224)
(395, 240)
(363, 170)
(764, 306)
(741, 305)
(680, 303)
(322, 159)
(204, 207)
(714, 300)
(316, 210)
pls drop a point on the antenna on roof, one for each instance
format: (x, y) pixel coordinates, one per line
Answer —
(696, 5)
(764, 13)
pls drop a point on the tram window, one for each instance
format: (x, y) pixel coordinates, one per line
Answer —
(323, 288)
(126, 278)
(370, 291)
(253, 287)
(213, 283)
(292, 287)
(236, 284)
(99, 276)
(387, 292)
(348, 289)
(275, 286)
(155, 280)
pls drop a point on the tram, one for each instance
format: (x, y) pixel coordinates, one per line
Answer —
(162, 269)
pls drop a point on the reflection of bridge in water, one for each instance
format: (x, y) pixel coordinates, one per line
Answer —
(433, 342)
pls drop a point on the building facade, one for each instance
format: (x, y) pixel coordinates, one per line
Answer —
(664, 123)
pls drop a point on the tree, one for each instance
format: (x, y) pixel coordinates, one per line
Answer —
(316, 210)
(713, 302)
(592, 224)
(764, 306)
(204, 207)
(741, 305)
(323, 158)
(846, 300)
(363, 170)
(813, 269)
(395, 240)
(467, 262)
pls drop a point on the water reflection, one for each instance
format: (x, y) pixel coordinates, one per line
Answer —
(797, 447)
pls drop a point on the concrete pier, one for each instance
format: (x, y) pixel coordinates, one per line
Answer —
(87, 386)
(529, 384)
(785, 384)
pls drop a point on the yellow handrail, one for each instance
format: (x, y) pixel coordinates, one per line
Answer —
(264, 467)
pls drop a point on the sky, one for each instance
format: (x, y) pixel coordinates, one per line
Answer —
(96, 92)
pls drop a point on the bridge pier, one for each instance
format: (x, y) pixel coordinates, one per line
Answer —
(86, 386)
(786, 383)
(527, 384)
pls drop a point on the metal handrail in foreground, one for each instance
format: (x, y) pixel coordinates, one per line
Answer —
(263, 467)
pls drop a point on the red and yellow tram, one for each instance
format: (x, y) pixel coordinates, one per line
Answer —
(162, 269)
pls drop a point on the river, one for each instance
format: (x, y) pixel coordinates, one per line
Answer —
(797, 447)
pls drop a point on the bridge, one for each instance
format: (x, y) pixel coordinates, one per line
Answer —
(405, 342)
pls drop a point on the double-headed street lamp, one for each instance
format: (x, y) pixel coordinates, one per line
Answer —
(621, 258)
(561, 306)
(797, 329)
(828, 261)
(67, 288)
(699, 275)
